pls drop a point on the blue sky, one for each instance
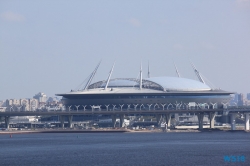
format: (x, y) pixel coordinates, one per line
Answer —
(52, 46)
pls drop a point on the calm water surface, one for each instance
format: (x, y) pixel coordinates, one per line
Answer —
(124, 148)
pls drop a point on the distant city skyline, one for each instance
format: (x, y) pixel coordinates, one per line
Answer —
(54, 49)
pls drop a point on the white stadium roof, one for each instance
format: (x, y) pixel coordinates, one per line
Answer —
(150, 85)
(144, 85)
(157, 83)
(178, 83)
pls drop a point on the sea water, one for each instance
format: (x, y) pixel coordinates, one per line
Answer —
(198, 148)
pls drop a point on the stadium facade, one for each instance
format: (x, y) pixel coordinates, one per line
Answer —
(145, 93)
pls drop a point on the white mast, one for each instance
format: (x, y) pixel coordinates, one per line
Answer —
(110, 73)
(148, 70)
(141, 78)
(177, 72)
(198, 74)
(91, 77)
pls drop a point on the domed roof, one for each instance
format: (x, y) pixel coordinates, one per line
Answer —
(157, 83)
(121, 83)
(180, 84)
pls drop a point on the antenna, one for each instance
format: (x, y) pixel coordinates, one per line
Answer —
(148, 70)
(110, 73)
(141, 78)
(197, 73)
(177, 72)
(91, 77)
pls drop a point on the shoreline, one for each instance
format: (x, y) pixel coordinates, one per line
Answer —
(116, 131)
(61, 131)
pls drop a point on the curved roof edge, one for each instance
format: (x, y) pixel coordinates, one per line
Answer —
(156, 83)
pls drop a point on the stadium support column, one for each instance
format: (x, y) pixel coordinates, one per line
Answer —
(158, 118)
(70, 117)
(113, 120)
(200, 120)
(176, 117)
(7, 122)
(247, 121)
(168, 120)
(232, 116)
(121, 120)
(211, 119)
(62, 121)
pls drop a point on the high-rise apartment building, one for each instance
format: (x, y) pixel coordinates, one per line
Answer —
(21, 104)
(248, 96)
(41, 97)
(240, 99)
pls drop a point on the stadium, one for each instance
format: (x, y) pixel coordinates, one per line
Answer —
(145, 93)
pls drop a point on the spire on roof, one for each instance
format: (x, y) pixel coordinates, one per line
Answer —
(177, 72)
(148, 70)
(92, 76)
(141, 77)
(110, 73)
(197, 73)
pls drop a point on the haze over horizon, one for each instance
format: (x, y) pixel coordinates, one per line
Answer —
(53, 46)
